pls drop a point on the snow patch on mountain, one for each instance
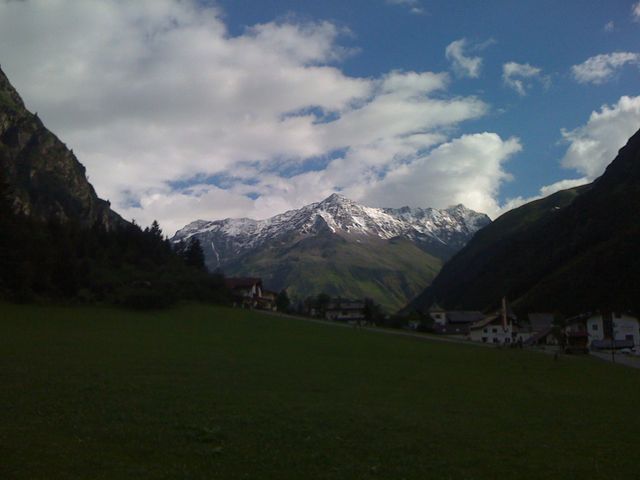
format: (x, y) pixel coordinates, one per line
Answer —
(230, 237)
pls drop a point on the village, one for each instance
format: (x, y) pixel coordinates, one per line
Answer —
(589, 332)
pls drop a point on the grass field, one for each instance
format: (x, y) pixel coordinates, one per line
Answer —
(203, 392)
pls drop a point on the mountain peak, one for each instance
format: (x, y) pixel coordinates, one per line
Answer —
(336, 199)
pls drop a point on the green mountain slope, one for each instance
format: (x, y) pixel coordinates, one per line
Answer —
(389, 271)
(573, 251)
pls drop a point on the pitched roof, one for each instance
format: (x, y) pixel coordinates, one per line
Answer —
(242, 282)
(539, 335)
(487, 321)
(464, 316)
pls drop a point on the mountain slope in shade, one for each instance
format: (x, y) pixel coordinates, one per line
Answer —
(46, 179)
(339, 247)
(573, 251)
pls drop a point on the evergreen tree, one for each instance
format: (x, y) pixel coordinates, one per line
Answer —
(155, 230)
(194, 255)
(282, 301)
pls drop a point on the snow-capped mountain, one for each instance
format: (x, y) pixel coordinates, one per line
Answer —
(441, 232)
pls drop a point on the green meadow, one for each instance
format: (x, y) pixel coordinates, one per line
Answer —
(201, 392)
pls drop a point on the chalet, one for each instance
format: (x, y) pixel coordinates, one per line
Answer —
(500, 328)
(246, 292)
(345, 310)
(456, 322)
(613, 330)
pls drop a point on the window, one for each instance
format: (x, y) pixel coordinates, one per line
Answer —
(495, 340)
(594, 327)
(494, 330)
(484, 339)
(486, 330)
(507, 340)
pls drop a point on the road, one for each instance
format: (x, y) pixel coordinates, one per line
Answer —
(626, 360)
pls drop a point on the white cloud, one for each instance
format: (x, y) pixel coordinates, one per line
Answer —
(463, 65)
(467, 170)
(519, 76)
(414, 6)
(594, 145)
(609, 26)
(177, 119)
(601, 68)
(635, 11)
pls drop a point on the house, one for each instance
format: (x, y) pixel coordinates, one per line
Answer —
(612, 330)
(456, 322)
(542, 331)
(500, 328)
(345, 310)
(576, 335)
(268, 300)
(246, 292)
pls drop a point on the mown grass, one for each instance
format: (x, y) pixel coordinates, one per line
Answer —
(205, 392)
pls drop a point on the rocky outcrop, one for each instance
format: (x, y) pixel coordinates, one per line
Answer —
(44, 176)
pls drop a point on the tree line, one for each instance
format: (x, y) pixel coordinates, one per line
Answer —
(129, 265)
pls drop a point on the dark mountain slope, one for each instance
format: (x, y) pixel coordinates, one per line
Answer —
(46, 179)
(573, 251)
(60, 242)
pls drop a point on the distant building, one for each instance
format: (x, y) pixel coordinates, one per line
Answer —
(499, 328)
(246, 292)
(345, 310)
(613, 330)
(456, 322)
(542, 330)
(576, 335)
(268, 300)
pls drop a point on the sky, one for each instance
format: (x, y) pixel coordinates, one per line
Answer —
(185, 110)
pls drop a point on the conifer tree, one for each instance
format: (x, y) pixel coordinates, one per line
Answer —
(194, 255)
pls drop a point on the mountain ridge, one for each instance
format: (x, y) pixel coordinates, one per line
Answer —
(46, 179)
(340, 247)
(577, 257)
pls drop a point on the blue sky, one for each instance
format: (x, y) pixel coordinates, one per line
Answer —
(551, 35)
(185, 110)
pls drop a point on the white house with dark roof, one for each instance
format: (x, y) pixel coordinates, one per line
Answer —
(623, 328)
(499, 328)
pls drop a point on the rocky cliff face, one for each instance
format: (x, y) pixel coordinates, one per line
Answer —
(45, 178)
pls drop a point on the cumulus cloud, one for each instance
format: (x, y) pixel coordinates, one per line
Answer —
(413, 6)
(635, 11)
(463, 65)
(177, 119)
(601, 68)
(520, 76)
(594, 145)
(469, 169)
(609, 26)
